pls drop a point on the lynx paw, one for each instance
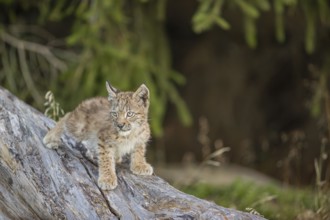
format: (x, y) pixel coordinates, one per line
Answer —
(142, 169)
(107, 183)
(51, 143)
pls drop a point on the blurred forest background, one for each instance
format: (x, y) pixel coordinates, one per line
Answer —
(251, 75)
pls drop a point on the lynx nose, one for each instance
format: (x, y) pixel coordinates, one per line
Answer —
(121, 126)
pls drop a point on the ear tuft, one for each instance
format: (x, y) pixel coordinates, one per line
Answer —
(111, 91)
(141, 95)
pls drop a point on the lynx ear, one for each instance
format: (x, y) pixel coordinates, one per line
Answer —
(111, 91)
(141, 95)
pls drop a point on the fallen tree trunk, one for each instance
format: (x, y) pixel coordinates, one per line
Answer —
(39, 183)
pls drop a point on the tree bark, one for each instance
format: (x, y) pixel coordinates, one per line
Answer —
(39, 183)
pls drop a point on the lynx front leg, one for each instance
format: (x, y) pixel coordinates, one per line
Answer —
(107, 173)
(52, 139)
(139, 165)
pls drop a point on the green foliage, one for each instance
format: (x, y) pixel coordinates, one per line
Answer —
(120, 41)
(271, 201)
(128, 48)
(316, 14)
(26, 67)
(209, 13)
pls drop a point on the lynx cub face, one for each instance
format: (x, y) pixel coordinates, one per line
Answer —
(111, 127)
(129, 111)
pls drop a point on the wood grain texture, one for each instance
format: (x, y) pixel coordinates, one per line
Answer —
(39, 183)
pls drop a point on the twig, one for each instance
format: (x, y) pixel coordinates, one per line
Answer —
(27, 76)
(34, 29)
(327, 108)
(34, 47)
(264, 200)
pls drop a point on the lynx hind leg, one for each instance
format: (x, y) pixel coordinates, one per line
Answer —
(52, 139)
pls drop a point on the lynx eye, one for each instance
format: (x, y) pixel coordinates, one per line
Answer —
(130, 114)
(114, 114)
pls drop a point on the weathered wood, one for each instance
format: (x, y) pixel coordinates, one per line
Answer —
(39, 183)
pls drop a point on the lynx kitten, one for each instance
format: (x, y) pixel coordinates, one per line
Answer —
(112, 128)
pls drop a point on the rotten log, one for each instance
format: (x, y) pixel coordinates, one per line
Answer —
(39, 183)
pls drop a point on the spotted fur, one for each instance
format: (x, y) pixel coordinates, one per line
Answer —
(111, 127)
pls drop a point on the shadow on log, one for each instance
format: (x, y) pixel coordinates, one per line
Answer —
(39, 183)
